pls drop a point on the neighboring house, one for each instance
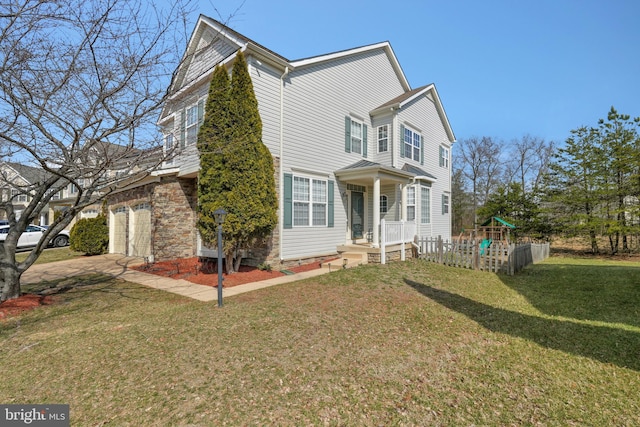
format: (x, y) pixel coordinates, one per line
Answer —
(16, 184)
(124, 162)
(352, 144)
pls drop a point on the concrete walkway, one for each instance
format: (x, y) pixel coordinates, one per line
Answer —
(118, 266)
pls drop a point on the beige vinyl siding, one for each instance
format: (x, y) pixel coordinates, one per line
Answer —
(384, 157)
(317, 99)
(211, 50)
(423, 114)
(266, 85)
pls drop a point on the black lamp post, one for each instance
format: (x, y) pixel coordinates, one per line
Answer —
(219, 215)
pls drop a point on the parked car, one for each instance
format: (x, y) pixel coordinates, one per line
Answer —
(32, 235)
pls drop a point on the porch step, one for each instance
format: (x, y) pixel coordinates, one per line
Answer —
(346, 260)
(352, 259)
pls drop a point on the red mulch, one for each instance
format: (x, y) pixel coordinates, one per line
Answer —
(190, 269)
(23, 303)
(206, 273)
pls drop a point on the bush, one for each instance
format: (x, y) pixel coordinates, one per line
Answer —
(90, 235)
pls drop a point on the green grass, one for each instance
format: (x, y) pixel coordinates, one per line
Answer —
(401, 344)
(51, 255)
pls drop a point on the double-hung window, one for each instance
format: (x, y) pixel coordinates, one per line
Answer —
(411, 203)
(192, 124)
(192, 117)
(444, 157)
(425, 204)
(309, 202)
(18, 196)
(445, 204)
(355, 136)
(411, 144)
(383, 138)
(168, 147)
(384, 204)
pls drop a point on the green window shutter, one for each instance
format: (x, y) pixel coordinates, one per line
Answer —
(287, 217)
(200, 112)
(347, 134)
(401, 140)
(364, 140)
(421, 150)
(440, 154)
(183, 126)
(330, 204)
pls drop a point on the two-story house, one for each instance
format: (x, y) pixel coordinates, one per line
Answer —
(16, 187)
(353, 143)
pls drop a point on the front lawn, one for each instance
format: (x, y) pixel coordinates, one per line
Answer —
(401, 344)
(50, 255)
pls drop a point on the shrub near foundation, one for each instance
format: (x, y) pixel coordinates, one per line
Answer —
(90, 236)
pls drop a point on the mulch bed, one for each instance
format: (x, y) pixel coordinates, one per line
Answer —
(206, 272)
(23, 303)
(191, 269)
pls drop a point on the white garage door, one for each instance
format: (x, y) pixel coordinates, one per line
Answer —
(120, 230)
(141, 230)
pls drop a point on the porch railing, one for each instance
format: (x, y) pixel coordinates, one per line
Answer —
(396, 232)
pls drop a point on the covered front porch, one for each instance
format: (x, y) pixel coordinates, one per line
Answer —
(380, 210)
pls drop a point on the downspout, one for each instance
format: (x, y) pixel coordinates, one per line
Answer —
(281, 171)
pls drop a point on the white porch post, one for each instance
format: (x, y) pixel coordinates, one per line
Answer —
(376, 211)
(403, 211)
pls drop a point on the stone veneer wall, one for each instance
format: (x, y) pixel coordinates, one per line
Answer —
(395, 255)
(173, 203)
(173, 218)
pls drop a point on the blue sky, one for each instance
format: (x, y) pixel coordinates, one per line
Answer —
(502, 68)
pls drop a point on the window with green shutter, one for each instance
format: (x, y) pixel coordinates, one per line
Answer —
(355, 136)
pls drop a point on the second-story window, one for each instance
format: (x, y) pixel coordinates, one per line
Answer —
(444, 157)
(355, 136)
(383, 138)
(411, 144)
(192, 124)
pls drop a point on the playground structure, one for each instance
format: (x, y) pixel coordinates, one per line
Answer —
(494, 229)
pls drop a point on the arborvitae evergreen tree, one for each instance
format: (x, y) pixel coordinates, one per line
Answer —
(213, 138)
(237, 172)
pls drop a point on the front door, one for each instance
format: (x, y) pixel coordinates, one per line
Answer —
(357, 215)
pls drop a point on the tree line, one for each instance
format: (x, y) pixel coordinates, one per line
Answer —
(589, 186)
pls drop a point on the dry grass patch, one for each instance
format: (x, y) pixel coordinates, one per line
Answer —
(401, 344)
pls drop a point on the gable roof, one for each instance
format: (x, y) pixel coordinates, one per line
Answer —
(244, 43)
(385, 46)
(400, 101)
(240, 41)
(28, 173)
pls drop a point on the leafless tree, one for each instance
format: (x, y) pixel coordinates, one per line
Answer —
(482, 165)
(529, 158)
(81, 84)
